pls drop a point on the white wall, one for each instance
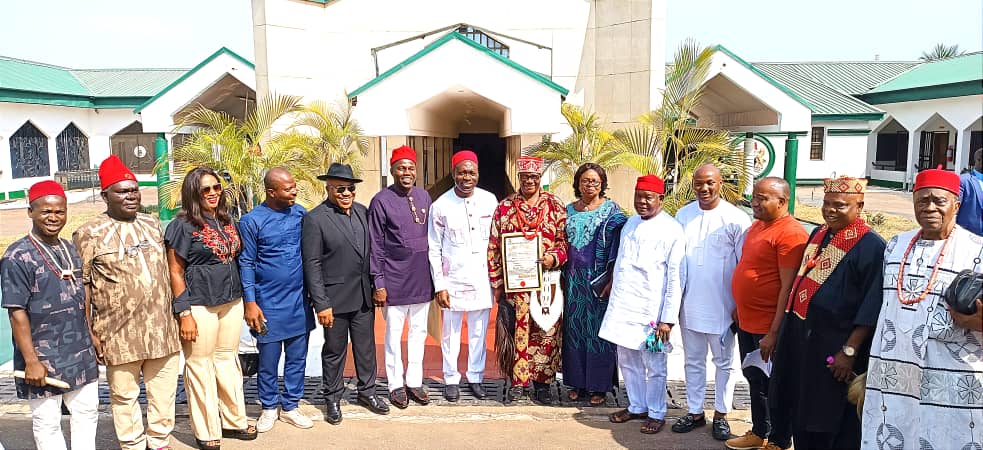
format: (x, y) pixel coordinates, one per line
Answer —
(959, 112)
(842, 155)
(97, 124)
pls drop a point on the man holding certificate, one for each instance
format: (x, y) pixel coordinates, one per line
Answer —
(528, 240)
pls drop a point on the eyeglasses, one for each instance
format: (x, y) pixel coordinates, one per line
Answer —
(216, 188)
(341, 189)
(590, 182)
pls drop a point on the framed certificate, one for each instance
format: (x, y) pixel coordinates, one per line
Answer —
(520, 261)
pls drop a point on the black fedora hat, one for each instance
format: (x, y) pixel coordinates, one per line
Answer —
(340, 171)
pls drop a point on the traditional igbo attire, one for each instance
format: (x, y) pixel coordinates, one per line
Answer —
(31, 279)
(925, 381)
(526, 352)
(125, 267)
(970, 214)
(458, 235)
(836, 290)
(589, 362)
(400, 265)
(273, 279)
(647, 287)
(712, 245)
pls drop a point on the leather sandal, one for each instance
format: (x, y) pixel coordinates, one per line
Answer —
(247, 434)
(214, 444)
(652, 426)
(598, 398)
(623, 416)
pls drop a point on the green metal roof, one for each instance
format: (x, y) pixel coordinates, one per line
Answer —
(966, 68)
(848, 77)
(825, 99)
(24, 81)
(471, 43)
(185, 74)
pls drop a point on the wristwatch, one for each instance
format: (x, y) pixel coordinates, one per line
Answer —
(849, 351)
(184, 313)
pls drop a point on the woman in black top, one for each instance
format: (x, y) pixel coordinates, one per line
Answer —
(202, 246)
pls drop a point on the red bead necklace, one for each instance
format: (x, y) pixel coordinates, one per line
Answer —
(931, 280)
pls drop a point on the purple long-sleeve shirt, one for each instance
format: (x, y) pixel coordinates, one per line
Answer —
(398, 251)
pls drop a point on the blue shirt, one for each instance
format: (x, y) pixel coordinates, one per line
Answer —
(970, 215)
(271, 270)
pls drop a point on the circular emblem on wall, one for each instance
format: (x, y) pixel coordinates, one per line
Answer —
(140, 151)
(761, 157)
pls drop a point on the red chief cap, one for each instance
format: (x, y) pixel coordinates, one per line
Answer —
(650, 183)
(937, 178)
(529, 164)
(403, 152)
(44, 188)
(112, 171)
(463, 155)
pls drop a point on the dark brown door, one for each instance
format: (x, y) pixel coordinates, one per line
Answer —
(940, 142)
(136, 151)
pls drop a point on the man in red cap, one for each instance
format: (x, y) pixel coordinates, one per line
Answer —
(528, 352)
(926, 361)
(124, 269)
(459, 226)
(41, 285)
(644, 305)
(401, 274)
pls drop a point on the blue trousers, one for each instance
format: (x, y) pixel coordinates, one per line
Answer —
(295, 362)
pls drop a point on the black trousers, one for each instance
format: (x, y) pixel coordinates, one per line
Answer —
(360, 325)
(766, 424)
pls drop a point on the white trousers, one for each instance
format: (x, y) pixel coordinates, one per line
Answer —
(644, 373)
(416, 340)
(83, 403)
(450, 344)
(695, 346)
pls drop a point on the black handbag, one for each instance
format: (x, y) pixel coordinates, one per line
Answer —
(962, 293)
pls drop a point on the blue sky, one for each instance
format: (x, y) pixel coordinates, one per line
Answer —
(180, 33)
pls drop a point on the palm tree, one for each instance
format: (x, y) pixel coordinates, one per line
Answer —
(940, 52)
(587, 142)
(242, 151)
(667, 141)
(332, 132)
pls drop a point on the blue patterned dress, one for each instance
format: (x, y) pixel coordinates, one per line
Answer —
(589, 362)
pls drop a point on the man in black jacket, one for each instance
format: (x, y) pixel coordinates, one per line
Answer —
(335, 249)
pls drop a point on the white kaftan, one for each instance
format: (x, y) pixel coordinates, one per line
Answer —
(458, 235)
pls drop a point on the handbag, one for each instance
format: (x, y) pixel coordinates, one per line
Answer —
(965, 288)
(546, 305)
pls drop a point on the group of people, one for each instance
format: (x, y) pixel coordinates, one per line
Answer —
(808, 313)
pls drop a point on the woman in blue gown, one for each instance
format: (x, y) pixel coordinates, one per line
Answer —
(593, 230)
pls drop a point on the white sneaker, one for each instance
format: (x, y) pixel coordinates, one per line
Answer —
(295, 418)
(266, 420)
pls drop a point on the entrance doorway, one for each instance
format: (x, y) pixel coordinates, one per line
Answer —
(934, 145)
(490, 149)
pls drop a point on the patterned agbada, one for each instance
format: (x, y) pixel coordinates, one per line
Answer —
(536, 353)
(125, 267)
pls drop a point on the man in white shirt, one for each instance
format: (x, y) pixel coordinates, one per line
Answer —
(713, 229)
(645, 293)
(458, 237)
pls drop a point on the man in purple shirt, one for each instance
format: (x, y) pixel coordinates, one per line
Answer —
(400, 270)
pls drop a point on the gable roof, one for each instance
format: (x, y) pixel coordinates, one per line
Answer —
(23, 81)
(960, 69)
(185, 74)
(454, 35)
(827, 102)
(848, 77)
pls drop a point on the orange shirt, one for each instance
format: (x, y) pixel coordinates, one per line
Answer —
(756, 282)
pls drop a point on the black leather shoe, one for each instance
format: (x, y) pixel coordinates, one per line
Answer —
(332, 412)
(688, 422)
(398, 398)
(515, 393)
(478, 390)
(542, 396)
(374, 403)
(419, 395)
(721, 429)
(452, 392)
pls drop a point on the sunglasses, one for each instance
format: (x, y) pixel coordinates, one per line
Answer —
(216, 188)
(341, 189)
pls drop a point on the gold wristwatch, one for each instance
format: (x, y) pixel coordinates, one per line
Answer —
(849, 351)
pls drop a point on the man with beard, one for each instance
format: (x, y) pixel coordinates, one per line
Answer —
(713, 229)
(401, 274)
(527, 353)
(829, 317)
(273, 295)
(925, 380)
(41, 286)
(335, 254)
(458, 234)
(129, 302)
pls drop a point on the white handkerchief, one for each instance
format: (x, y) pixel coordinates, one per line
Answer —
(754, 359)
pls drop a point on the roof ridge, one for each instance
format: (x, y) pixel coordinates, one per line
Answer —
(837, 62)
(34, 63)
(810, 79)
(132, 69)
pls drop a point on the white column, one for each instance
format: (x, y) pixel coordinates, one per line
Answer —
(913, 139)
(963, 152)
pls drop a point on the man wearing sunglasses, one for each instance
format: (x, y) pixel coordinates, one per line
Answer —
(128, 303)
(335, 254)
